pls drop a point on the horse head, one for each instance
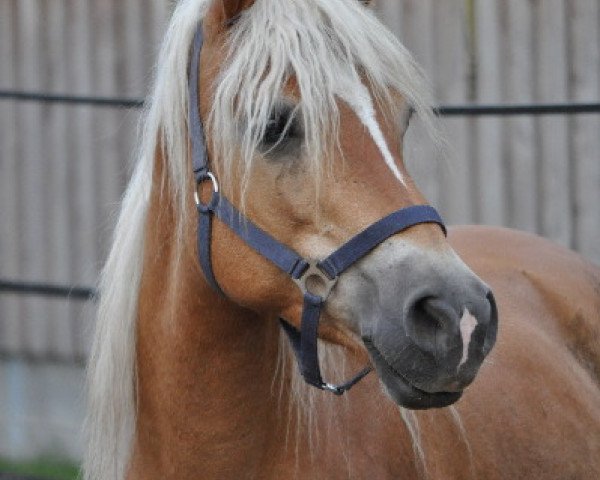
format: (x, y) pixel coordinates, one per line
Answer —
(304, 126)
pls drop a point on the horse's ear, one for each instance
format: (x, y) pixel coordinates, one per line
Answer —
(232, 8)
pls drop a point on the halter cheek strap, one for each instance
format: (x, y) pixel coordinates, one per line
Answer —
(303, 272)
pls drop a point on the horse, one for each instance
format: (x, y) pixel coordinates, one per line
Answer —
(299, 112)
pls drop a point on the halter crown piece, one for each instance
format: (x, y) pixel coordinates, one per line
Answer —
(326, 271)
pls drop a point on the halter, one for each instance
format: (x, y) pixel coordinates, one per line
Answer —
(305, 273)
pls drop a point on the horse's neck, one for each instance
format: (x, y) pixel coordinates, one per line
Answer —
(212, 400)
(205, 367)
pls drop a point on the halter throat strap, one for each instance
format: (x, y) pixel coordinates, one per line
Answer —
(303, 341)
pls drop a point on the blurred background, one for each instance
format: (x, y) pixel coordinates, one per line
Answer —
(63, 168)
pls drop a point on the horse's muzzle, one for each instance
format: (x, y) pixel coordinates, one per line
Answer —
(432, 336)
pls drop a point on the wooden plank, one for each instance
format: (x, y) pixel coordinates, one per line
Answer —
(134, 48)
(452, 85)
(107, 127)
(107, 122)
(131, 76)
(522, 201)
(490, 171)
(82, 157)
(160, 13)
(584, 53)
(9, 235)
(33, 191)
(56, 137)
(420, 154)
(552, 72)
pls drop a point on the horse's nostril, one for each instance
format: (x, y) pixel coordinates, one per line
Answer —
(455, 332)
(430, 320)
(492, 326)
(438, 310)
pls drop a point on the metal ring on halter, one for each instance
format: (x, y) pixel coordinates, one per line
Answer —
(214, 198)
(315, 281)
(335, 389)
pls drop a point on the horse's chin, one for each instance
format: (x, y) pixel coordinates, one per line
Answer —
(402, 391)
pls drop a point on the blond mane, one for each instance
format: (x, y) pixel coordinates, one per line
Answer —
(319, 42)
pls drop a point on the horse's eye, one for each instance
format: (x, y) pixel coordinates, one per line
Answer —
(283, 130)
(277, 128)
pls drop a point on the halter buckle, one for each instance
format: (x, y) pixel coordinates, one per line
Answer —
(315, 281)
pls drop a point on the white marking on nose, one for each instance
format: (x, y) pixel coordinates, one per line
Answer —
(359, 98)
(467, 326)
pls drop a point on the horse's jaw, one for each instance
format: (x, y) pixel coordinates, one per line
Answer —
(401, 391)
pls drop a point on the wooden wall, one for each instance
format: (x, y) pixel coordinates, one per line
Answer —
(62, 169)
(536, 174)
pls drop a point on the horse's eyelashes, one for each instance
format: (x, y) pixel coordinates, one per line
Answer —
(409, 116)
(282, 130)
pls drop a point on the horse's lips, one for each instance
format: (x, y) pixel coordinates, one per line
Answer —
(401, 390)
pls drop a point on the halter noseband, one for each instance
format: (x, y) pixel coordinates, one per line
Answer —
(303, 272)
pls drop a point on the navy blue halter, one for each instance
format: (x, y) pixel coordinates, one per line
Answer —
(304, 273)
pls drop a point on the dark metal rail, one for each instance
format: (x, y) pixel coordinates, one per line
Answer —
(506, 110)
(82, 100)
(70, 292)
(442, 110)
